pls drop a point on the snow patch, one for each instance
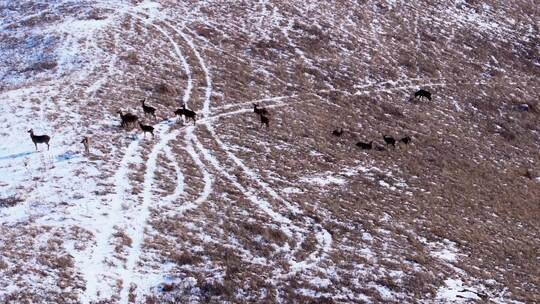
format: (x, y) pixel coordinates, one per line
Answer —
(324, 181)
(292, 190)
(455, 292)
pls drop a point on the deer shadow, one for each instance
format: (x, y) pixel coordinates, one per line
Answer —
(16, 155)
(67, 156)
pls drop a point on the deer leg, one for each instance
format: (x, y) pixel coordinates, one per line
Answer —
(35, 144)
(47, 146)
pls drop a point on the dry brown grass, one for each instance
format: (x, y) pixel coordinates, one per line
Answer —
(10, 201)
(469, 174)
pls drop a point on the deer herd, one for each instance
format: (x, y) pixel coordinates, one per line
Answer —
(128, 120)
(388, 140)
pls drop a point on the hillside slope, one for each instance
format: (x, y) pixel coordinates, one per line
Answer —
(227, 210)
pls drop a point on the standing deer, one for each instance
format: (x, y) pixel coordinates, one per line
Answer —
(127, 119)
(39, 139)
(148, 129)
(86, 143)
(389, 140)
(148, 110)
(265, 120)
(188, 114)
(258, 110)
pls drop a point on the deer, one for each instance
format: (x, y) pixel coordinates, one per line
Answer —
(148, 110)
(146, 129)
(179, 112)
(86, 142)
(389, 140)
(406, 140)
(258, 110)
(127, 119)
(422, 93)
(365, 146)
(265, 120)
(185, 112)
(39, 139)
(188, 113)
(337, 132)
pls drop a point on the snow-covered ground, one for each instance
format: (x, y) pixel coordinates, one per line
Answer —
(225, 209)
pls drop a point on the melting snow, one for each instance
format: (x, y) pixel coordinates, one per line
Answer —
(292, 190)
(455, 292)
(324, 181)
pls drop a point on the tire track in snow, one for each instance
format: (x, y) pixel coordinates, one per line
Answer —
(206, 115)
(250, 193)
(93, 269)
(121, 177)
(323, 237)
(129, 277)
(134, 282)
(243, 103)
(180, 181)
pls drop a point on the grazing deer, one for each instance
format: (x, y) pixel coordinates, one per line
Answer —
(389, 140)
(422, 93)
(265, 120)
(148, 129)
(39, 139)
(337, 132)
(148, 110)
(86, 143)
(365, 146)
(127, 119)
(258, 110)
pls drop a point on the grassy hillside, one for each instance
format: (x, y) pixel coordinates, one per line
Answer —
(227, 210)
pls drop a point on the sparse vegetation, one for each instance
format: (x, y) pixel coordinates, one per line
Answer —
(10, 201)
(224, 210)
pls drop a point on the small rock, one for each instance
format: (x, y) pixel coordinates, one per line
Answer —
(167, 287)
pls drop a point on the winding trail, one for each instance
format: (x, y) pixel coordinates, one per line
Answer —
(180, 183)
(323, 237)
(95, 273)
(130, 279)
